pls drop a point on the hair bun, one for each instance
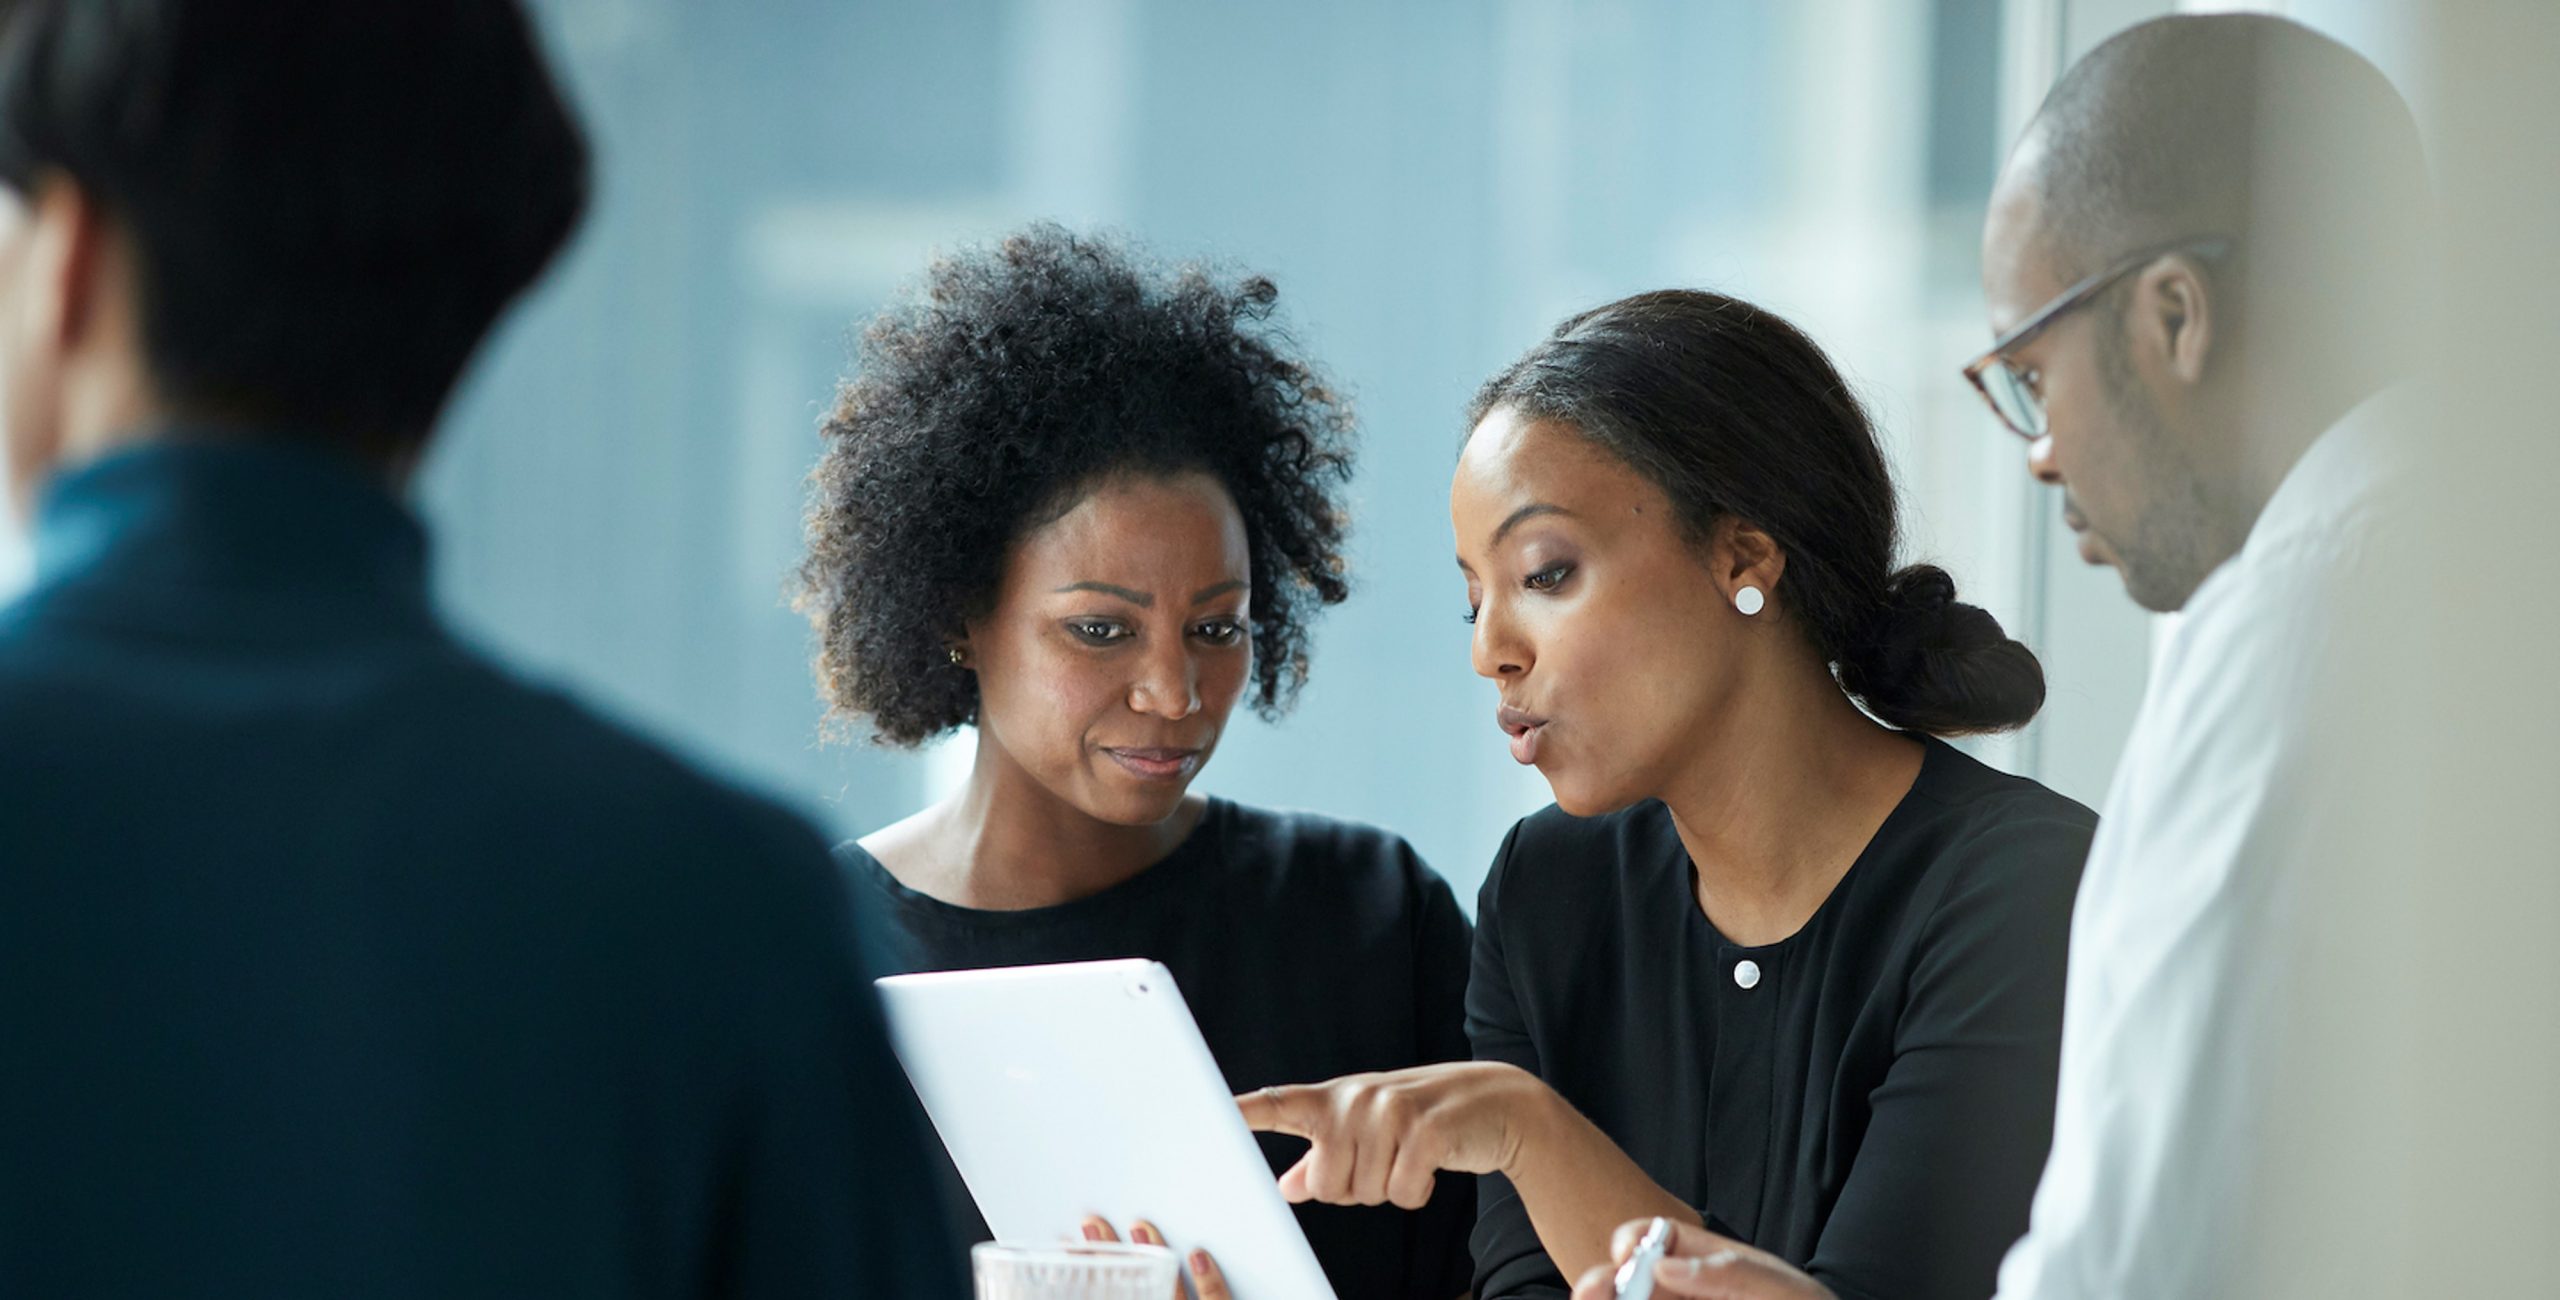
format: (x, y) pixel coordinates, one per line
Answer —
(1929, 662)
(1918, 599)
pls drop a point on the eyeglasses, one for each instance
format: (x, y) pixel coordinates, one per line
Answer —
(2009, 390)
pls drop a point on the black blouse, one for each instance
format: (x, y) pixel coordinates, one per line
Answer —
(1870, 1098)
(1306, 948)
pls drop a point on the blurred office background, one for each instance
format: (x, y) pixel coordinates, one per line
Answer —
(1432, 183)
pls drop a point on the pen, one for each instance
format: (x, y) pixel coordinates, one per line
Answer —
(1635, 1277)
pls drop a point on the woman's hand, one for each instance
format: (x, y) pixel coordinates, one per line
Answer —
(1380, 1138)
(1205, 1277)
(1383, 1138)
(1705, 1266)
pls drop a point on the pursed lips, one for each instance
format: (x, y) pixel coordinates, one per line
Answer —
(1524, 728)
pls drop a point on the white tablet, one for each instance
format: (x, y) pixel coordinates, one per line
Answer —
(1064, 1091)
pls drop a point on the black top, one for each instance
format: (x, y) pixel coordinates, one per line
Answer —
(335, 963)
(1307, 948)
(1870, 1098)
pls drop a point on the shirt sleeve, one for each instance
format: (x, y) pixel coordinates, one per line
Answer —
(1510, 1261)
(1439, 1263)
(1960, 1125)
(828, 1156)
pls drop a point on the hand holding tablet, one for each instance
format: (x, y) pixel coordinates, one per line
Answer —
(1207, 1283)
(1074, 1092)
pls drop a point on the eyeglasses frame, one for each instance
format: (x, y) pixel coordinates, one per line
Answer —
(2209, 247)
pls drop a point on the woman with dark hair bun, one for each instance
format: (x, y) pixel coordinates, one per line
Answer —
(1086, 505)
(1780, 964)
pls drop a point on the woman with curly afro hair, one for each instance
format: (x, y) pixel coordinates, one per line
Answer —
(1084, 504)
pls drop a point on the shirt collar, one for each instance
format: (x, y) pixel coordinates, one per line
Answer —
(233, 512)
(2346, 471)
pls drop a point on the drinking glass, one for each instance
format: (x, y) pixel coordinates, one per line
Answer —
(1074, 1271)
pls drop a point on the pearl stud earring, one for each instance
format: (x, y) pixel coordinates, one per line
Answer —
(1749, 601)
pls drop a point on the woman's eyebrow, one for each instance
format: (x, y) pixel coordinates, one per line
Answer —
(1138, 598)
(1524, 513)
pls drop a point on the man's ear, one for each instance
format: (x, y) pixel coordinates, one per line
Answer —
(76, 372)
(2173, 318)
(67, 251)
(45, 274)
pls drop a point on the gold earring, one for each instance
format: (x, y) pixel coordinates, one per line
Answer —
(956, 657)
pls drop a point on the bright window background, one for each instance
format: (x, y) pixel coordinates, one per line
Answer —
(1432, 186)
(15, 558)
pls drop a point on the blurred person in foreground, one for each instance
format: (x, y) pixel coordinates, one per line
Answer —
(332, 960)
(2204, 265)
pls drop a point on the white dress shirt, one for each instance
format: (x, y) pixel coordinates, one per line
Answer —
(2226, 805)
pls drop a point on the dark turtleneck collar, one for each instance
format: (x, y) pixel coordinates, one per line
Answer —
(229, 516)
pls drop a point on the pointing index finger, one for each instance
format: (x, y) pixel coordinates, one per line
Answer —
(1279, 1109)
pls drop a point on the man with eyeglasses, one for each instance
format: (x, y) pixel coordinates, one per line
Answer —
(2203, 263)
(2207, 262)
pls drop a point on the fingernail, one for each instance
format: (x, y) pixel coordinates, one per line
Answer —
(1200, 1263)
(1719, 1259)
(1092, 1233)
(1146, 1232)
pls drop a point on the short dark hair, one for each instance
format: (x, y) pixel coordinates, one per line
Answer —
(1016, 379)
(2241, 125)
(330, 201)
(1733, 412)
